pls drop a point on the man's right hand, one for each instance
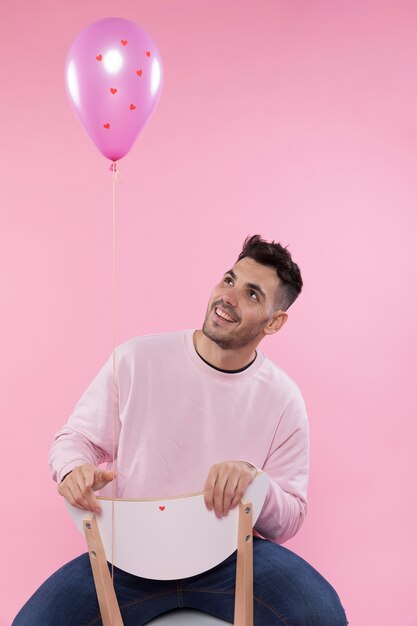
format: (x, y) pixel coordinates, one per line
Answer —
(78, 486)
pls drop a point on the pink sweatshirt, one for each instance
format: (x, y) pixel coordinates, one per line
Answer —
(177, 416)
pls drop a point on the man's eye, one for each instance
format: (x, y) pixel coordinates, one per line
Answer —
(228, 280)
(253, 295)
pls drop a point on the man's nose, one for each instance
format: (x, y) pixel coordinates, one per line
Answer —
(230, 297)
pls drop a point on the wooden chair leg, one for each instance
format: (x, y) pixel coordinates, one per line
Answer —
(244, 568)
(109, 608)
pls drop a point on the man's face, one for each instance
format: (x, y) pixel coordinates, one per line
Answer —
(242, 305)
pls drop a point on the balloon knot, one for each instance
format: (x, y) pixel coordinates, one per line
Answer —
(113, 168)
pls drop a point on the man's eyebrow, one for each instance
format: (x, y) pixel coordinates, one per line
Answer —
(253, 286)
(256, 288)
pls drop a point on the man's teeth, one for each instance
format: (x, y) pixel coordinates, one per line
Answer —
(224, 315)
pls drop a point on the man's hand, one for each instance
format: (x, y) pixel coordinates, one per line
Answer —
(79, 486)
(225, 485)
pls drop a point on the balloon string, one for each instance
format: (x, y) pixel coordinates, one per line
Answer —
(114, 490)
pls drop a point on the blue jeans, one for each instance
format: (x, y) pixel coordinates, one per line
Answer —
(287, 591)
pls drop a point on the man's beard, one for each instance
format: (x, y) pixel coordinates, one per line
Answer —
(233, 339)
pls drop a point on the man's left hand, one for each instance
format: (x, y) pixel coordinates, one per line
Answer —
(225, 485)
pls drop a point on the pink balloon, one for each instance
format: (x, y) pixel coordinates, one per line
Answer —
(113, 77)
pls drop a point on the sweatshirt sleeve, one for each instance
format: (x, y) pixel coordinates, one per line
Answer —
(88, 435)
(287, 466)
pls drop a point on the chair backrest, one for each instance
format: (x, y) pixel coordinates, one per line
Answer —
(172, 537)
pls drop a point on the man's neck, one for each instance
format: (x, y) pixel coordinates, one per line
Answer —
(220, 358)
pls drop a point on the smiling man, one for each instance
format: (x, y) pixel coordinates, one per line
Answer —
(244, 307)
(199, 409)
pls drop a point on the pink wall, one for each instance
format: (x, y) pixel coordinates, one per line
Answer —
(295, 119)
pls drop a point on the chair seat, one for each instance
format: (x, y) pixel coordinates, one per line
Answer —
(187, 617)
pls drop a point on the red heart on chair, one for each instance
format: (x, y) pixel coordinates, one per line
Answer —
(99, 57)
(113, 90)
(162, 508)
(124, 42)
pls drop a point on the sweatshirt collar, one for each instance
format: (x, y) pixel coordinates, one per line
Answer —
(214, 372)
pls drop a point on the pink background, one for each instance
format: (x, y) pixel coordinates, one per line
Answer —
(295, 119)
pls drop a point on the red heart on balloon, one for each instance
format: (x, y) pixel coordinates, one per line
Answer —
(139, 72)
(148, 54)
(132, 107)
(99, 57)
(106, 125)
(162, 508)
(113, 90)
(124, 42)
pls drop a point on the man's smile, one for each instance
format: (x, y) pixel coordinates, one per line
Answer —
(224, 315)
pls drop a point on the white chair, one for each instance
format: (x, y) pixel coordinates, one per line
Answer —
(187, 617)
(168, 539)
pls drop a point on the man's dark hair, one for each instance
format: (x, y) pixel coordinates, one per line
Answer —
(274, 255)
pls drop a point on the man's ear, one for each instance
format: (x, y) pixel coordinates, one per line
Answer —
(276, 322)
